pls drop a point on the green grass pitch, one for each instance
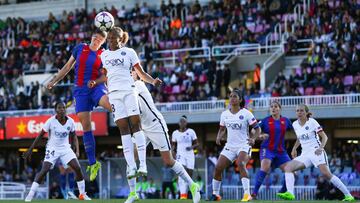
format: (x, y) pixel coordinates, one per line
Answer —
(152, 201)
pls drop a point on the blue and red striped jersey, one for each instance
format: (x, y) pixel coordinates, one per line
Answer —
(276, 130)
(87, 65)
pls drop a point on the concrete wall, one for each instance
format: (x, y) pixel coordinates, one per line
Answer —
(273, 70)
(245, 63)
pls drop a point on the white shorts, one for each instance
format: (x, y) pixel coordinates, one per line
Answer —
(188, 161)
(309, 158)
(123, 104)
(159, 140)
(65, 156)
(232, 154)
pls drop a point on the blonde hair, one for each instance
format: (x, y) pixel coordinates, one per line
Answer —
(308, 113)
(124, 36)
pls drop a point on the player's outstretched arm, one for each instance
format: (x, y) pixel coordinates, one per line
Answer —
(28, 153)
(146, 77)
(220, 135)
(324, 139)
(62, 73)
(294, 150)
(75, 144)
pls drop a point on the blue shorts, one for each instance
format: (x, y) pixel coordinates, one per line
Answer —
(277, 158)
(86, 99)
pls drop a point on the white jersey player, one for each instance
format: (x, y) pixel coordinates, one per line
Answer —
(236, 122)
(59, 128)
(118, 62)
(156, 132)
(307, 132)
(185, 141)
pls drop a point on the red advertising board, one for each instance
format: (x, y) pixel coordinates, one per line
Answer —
(30, 126)
(2, 137)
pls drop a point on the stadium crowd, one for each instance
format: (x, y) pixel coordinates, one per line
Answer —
(332, 65)
(44, 46)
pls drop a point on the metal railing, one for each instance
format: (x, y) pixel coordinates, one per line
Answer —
(228, 51)
(225, 50)
(269, 193)
(195, 106)
(302, 45)
(280, 29)
(219, 105)
(268, 62)
(173, 55)
(12, 190)
(313, 100)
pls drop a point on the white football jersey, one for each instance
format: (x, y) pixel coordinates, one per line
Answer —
(184, 140)
(118, 65)
(58, 134)
(237, 126)
(307, 134)
(151, 119)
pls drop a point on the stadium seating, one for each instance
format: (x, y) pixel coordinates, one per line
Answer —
(45, 46)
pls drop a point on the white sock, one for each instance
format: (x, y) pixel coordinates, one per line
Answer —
(34, 187)
(340, 185)
(132, 184)
(246, 185)
(141, 147)
(182, 186)
(181, 172)
(128, 149)
(290, 181)
(216, 184)
(81, 186)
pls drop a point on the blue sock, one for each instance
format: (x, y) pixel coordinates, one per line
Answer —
(63, 182)
(283, 188)
(63, 185)
(260, 176)
(89, 143)
(71, 181)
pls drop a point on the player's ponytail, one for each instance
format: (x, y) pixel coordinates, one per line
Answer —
(307, 111)
(124, 38)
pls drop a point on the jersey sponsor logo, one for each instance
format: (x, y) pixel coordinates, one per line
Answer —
(61, 134)
(115, 62)
(304, 137)
(234, 126)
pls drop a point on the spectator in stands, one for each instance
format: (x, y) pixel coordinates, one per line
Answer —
(218, 81)
(322, 188)
(227, 76)
(256, 77)
(335, 163)
(168, 176)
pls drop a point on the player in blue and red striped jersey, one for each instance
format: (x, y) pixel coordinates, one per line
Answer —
(272, 150)
(89, 89)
